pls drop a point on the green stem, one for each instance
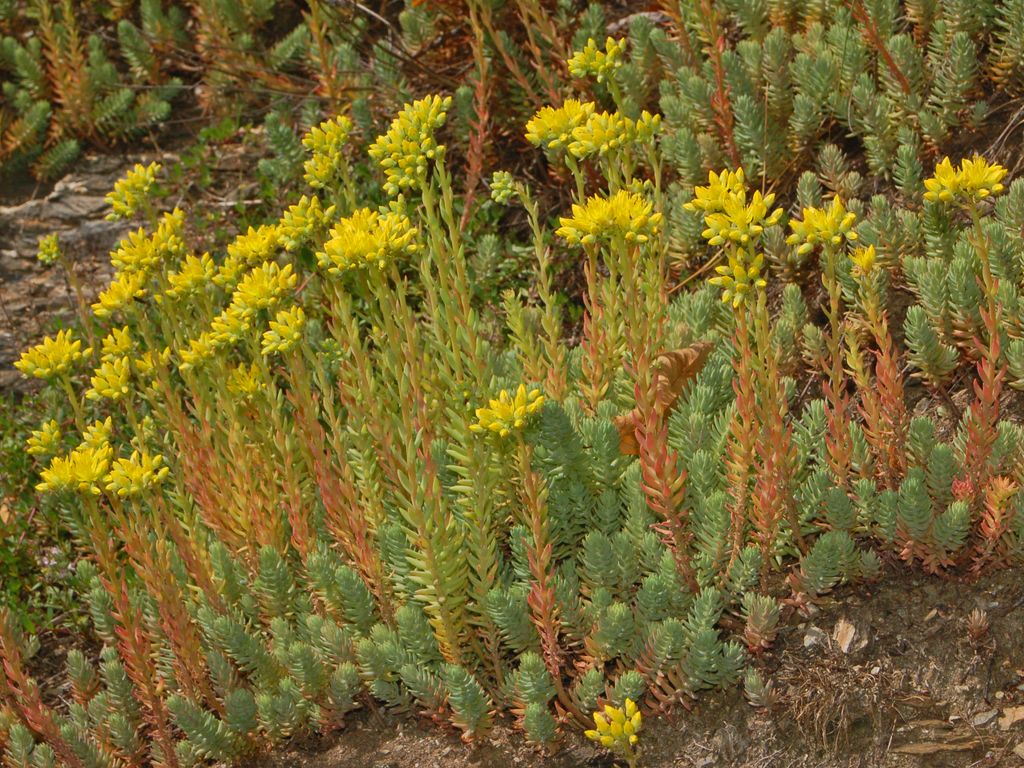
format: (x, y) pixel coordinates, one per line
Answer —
(989, 285)
(76, 404)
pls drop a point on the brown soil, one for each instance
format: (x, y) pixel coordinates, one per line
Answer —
(913, 690)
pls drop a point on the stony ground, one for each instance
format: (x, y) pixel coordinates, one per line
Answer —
(34, 297)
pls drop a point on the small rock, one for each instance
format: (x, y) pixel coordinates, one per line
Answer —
(984, 718)
(814, 636)
(1011, 716)
(843, 634)
(704, 762)
(875, 670)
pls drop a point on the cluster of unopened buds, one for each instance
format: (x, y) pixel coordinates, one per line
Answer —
(617, 729)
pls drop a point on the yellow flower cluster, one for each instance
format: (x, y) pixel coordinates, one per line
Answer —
(97, 434)
(44, 441)
(285, 331)
(508, 413)
(146, 363)
(829, 226)
(407, 149)
(733, 221)
(199, 350)
(254, 247)
(596, 63)
(122, 291)
(136, 257)
(974, 180)
(552, 127)
(301, 221)
(624, 215)
(49, 249)
(82, 470)
(741, 222)
(117, 343)
(605, 132)
(137, 474)
(191, 276)
(110, 381)
(245, 381)
(617, 729)
(54, 356)
(132, 192)
(740, 277)
(141, 252)
(263, 287)
(721, 188)
(368, 237)
(326, 144)
(228, 328)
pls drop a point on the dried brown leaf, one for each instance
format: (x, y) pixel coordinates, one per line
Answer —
(672, 370)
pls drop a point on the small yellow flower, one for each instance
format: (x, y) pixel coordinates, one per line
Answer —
(601, 134)
(551, 128)
(230, 326)
(368, 238)
(135, 253)
(646, 127)
(137, 474)
(110, 381)
(302, 221)
(256, 246)
(245, 381)
(54, 356)
(721, 187)
(980, 179)
(45, 441)
(624, 215)
(143, 253)
(132, 191)
(594, 62)
(122, 291)
(618, 729)
(262, 288)
(82, 470)
(146, 363)
(199, 350)
(285, 331)
(975, 179)
(117, 343)
(508, 413)
(865, 261)
(97, 434)
(49, 249)
(326, 144)
(740, 277)
(820, 225)
(191, 276)
(407, 149)
(740, 222)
